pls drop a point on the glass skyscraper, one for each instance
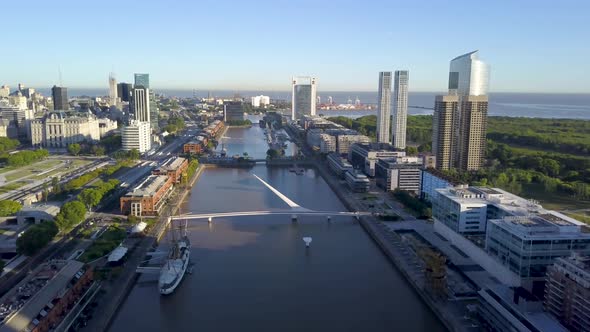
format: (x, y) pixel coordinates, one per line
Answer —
(142, 80)
(400, 109)
(303, 98)
(384, 112)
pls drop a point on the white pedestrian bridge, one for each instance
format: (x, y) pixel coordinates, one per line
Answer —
(294, 210)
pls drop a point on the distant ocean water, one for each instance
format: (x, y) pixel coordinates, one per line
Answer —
(538, 105)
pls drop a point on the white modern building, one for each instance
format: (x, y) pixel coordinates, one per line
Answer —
(137, 135)
(463, 210)
(57, 129)
(400, 109)
(260, 101)
(303, 97)
(4, 91)
(402, 173)
(365, 156)
(338, 165)
(384, 111)
(469, 76)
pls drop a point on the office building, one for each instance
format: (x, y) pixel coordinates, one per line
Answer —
(233, 111)
(365, 156)
(513, 309)
(567, 292)
(400, 109)
(402, 173)
(140, 104)
(460, 119)
(260, 101)
(433, 179)
(464, 210)
(338, 165)
(345, 141)
(60, 98)
(147, 198)
(142, 80)
(445, 123)
(472, 132)
(17, 99)
(124, 91)
(137, 135)
(19, 119)
(57, 129)
(303, 97)
(46, 297)
(384, 111)
(357, 182)
(173, 167)
(113, 93)
(154, 112)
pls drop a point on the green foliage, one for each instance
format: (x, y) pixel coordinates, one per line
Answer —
(108, 241)
(239, 122)
(420, 208)
(74, 149)
(70, 215)
(272, 153)
(111, 143)
(175, 124)
(82, 180)
(9, 208)
(26, 157)
(7, 144)
(35, 238)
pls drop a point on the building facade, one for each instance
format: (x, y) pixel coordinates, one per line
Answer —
(124, 91)
(260, 101)
(60, 98)
(233, 111)
(402, 173)
(58, 129)
(445, 123)
(400, 109)
(357, 182)
(303, 97)
(567, 292)
(384, 111)
(137, 135)
(472, 132)
(173, 168)
(149, 197)
(464, 210)
(338, 165)
(365, 156)
(140, 104)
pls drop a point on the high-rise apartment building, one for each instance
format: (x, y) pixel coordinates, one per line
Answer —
(472, 132)
(60, 98)
(136, 136)
(384, 112)
(303, 97)
(459, 136)
(143, 80)
(140, 104)
(444, 131)
(400, 109)
(124, 91)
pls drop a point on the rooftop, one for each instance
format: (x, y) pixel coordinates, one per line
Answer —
(172, 164)
(540, 225)
(149, 186)
(30, 298)
(444, 176)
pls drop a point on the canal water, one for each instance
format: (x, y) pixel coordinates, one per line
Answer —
(255, 274)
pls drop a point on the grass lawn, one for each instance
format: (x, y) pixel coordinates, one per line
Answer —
(38, 167)
(108, 241)
(12, 186)
(553, 201)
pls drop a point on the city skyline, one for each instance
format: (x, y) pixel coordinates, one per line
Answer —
(341, 54)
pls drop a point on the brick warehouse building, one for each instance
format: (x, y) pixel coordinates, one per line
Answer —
(149, 197)
(173, 167)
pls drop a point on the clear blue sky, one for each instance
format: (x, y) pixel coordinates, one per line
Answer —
(532, 46)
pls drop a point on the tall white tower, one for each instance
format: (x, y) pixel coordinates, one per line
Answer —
(303, 96)
(113, 89)
(384, 112)
(400, 109)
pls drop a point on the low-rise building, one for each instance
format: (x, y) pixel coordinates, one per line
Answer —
(137, 136)
(343, 142)
(147, 198)
(41, 301)
(567, 292)
(37, 213)
(173, 167)
(464, 210)
(338, 165)
(357, 182)
(196, 146)
(505, 309)
(365, 156)
(527, 245)
(402, 173)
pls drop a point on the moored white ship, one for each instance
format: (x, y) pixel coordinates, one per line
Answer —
(175, 265)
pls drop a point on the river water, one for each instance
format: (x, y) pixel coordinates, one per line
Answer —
(255, 274)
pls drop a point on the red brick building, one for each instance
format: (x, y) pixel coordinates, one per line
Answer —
(173, 167)
(149, 197)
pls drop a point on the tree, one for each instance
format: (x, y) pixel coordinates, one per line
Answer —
(98, 150)
(55, 186)
(134, 154)
(74, 149)
(35, 238)
(90, 197)
(70, 214)
(9, 208)
(411, 150)
(272, 153)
